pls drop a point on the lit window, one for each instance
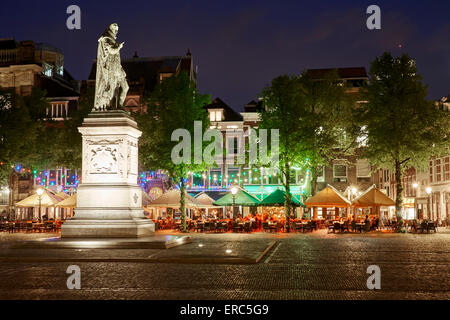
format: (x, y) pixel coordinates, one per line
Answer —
(215, 115)
(362, 168)
(48, 70)
(340, 171)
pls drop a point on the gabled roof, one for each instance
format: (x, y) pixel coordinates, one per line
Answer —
(229, 113)
(344, 73)
(253, 106)
(148, 69)
(8, 44)
(57, 87)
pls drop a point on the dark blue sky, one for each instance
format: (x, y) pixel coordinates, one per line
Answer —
(239, 46)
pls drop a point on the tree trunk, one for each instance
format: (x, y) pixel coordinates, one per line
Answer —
(399, 198)
(11, 194)
(183, 205)
(313, 181)
(288, 196)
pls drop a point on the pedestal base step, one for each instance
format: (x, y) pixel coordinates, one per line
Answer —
(107, 228)
(153, 242)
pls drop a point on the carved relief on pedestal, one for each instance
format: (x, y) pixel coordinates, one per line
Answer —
(132, 160)
(103, 156)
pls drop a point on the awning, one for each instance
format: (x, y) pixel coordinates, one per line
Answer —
(373, 197)
(242, 198)
(70, 202)
(171, 199)
(48, 199)
(328, 197)
(204, 200)
(63, 195)
(277, 198)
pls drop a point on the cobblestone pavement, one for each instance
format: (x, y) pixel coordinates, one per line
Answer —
(299, 266)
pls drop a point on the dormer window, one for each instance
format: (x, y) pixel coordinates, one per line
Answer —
(215, 115)
(48, 70)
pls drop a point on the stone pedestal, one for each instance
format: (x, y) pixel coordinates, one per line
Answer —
(109, 201)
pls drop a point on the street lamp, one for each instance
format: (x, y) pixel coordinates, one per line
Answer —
(40, 192)
(428, 191)
(234, 191)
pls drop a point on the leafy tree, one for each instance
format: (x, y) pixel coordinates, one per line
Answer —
(282, 110)
(326, 122)
(174, 104)
(312, 116)
(403, 129)
(68, 146)
(17, 131)
(20, 132)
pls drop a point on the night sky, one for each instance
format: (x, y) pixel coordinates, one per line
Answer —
(239, 46)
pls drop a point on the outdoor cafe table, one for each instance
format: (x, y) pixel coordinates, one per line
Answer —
(360, 226)
(38, 226)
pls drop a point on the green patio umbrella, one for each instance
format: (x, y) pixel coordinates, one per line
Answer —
(242, 198)
(276, 198)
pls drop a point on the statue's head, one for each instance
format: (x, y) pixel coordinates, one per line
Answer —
(111, 31)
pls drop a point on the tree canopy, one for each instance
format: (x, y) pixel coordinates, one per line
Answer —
(402, 127)
(174, 104)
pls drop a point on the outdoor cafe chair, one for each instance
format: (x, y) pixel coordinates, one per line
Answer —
(330, 227)
(18, 226)
(307, 226)
(266, 226)
(29, 227)
(367, 226)
(336, 227)
(353, 224)
(273, 227)
(212, 227)
(313, 225)
(199, 227)
(247, 227)
(431, 226)
(48, 227)
(222, 226)
(237, 227)
(345, 227)
(423, 226)
(10, 227)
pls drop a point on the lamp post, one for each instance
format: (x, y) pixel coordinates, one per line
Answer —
(234, 191)
(428, 191)
(40, 192)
